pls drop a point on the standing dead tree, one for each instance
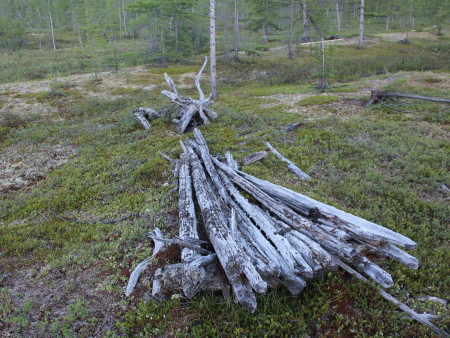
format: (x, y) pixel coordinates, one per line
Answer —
(195, 112)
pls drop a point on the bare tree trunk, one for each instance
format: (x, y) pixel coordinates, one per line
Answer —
(266, 28)
(265, 35)
(40, 29)
(225, 44)
(408, 25)
(338, 17)
(388, 16)
(176, 35)
(212, 46)
(361, 26)
(291, 24)
(305, 22)
(73, 16)
(120, 21)
(124, 16)
(51, 25)
(323, 84)
(79, 36)
(236, 30)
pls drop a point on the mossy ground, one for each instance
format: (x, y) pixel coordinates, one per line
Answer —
(388, 164)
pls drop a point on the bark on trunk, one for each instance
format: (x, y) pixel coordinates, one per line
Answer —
(212, 46)
(291, 25)
(338, 16)
(51, 25)
(361, 26)
(305, 22)
(388, 15)
(236, 31)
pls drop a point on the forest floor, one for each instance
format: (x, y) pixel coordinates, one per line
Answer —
(71, 145)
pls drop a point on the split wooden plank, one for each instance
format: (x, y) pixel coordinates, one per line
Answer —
(291, 166)
(421, 318)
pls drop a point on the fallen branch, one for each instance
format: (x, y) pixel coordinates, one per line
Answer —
(144, 115)
(378, 96)
(421, 318)
(292, 167)
(144, 264)
(92, 222)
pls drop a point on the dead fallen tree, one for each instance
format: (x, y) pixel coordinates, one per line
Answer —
(279, 238)
(378, 96)
(192, 112)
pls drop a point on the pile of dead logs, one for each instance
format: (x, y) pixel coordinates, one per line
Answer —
(280, 237)
(192, 112)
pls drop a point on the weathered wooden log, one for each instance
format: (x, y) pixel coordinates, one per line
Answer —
(380, 96)
(293, 283)
(313, 253)
(168, 280)
(188, 113)
(143, 115)
(359, 228)
(267, 269)
(287, 255)
(421, 318)
(393, 252)
(190, 108)
(311, 230)
(206, 158)
(144, 264)
(193, 276)
(266, 224)
(291, 166)
(234, 261)
(252, 158)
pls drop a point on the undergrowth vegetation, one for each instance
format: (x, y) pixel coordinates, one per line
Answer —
(388, 164)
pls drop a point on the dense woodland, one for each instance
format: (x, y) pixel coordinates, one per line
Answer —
(174, 29)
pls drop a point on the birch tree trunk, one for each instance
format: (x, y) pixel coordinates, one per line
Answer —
(388, 15)
(51, 25)
(124, 16)
(338, 17)
(305, 21)
(324, 83)
(236, 30)
(291, 24)
(408, 25)
(361, 26)
(212, 46)
(40, 29)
